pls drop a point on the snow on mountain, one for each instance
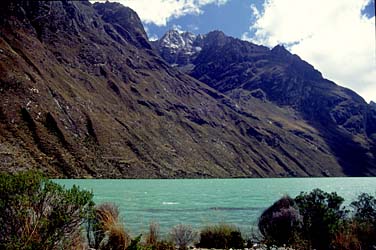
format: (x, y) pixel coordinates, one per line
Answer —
(178, 48)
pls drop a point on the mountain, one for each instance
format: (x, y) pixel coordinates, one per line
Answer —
(372, 104)
(241, 70)
(84, 94)
(177, 48)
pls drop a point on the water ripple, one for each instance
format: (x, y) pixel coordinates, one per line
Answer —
(190, 210)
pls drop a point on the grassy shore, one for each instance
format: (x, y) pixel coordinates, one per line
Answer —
(36, 213)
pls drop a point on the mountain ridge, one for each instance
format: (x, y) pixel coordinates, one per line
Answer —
(84, 94)
(231, 65)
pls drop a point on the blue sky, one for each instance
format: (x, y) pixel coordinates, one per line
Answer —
(336, 36)
(369, 10)
(233, 18)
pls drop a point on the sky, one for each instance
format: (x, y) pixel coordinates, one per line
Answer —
(336, 36)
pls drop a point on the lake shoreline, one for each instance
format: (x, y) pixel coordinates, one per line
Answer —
(191, 201)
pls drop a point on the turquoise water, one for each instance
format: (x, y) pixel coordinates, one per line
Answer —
(201, 202)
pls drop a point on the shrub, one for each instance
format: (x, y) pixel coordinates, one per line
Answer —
(280, 223)
(164, 245)
(109, 232)
(221, 236)
(152, 240)
(183, 235)
(36, 213)
(153, 235)
(135, 244)
(317, 220)
(346, 238)
(365, 208)
(364, 220)
(322, 216)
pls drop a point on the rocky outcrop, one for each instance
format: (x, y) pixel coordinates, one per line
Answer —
(125, 21)
(178, 48)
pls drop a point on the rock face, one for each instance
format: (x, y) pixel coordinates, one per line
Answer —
(372, 104)
(84, 94)
(177, 48)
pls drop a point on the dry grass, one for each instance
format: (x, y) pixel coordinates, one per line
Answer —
(107, 214)
(183, 235)
(152, 236)
(114, 235)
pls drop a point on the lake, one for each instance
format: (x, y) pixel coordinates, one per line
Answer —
(201, 202)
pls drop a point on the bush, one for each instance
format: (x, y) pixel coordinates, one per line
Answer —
(317, 220)
(36, 213)
(221, 236)
(280, 223)
(346, 238)
(365, 209)
(322, 216)
(153, 236)
(183, 235)
(109, 232)
(164, 245)
(364, 220)
(135, 244)
(152, 240)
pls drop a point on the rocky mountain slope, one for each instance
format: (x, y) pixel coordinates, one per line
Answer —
(242, 70)
(84, 94)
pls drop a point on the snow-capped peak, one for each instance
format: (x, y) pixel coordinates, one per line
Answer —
(178, 40)
(178, 46)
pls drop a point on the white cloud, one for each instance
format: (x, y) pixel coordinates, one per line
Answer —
(331, 35)
(178, 28)
(153, 37)
(160, 12)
